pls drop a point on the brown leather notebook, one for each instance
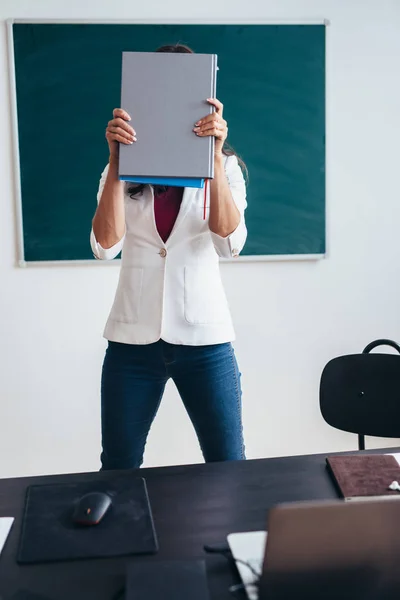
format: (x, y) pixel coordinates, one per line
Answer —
(365, 477)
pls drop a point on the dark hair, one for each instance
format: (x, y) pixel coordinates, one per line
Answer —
(175, 48)
(227, 150)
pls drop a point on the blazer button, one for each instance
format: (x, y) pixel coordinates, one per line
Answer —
(163, 253)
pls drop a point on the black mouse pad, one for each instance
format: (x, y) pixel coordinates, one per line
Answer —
(49, 534)
(168, 580)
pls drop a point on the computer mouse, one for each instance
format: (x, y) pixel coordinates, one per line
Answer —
(91, 508)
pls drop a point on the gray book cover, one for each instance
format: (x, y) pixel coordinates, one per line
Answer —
(165, 95)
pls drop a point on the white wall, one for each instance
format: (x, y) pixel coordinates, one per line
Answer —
(291, 318)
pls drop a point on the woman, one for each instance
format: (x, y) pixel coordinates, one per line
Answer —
(170, 317)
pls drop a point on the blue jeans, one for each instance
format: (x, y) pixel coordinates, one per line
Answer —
(133, 382)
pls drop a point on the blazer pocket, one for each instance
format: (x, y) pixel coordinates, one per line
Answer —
(205, 300)
(126, 308)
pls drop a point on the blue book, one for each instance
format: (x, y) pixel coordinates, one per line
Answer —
(170, 181)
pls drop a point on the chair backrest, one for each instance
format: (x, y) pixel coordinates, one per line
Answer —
(360, 393)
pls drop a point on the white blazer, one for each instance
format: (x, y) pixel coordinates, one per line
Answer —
(173, 290)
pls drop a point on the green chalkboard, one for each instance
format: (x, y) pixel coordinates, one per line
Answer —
(272, 83)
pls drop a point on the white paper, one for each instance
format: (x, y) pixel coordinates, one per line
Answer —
(5, 526)
(396, 455)
(250, 548)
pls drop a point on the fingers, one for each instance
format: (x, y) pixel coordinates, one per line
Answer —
(122, 124)
(213, 117)
(218, 132)
(115, 137)
(120, 112)
(219, 107)
(119, 130)
(212, 125)
(130, 137)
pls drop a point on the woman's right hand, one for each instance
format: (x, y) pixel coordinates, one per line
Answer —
(119, 131)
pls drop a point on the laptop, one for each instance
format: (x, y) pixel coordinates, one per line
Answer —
(323, 551)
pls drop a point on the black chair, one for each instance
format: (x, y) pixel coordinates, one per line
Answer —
(360, 393)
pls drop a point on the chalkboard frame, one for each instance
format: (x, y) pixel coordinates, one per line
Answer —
(20, 253)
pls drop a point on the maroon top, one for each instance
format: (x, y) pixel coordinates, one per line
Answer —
(166, 209)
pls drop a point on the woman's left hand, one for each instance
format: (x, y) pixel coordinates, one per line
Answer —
(215, 125)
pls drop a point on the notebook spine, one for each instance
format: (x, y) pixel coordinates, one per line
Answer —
(213, 92)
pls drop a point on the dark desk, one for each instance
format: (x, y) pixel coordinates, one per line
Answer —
(192, 506)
